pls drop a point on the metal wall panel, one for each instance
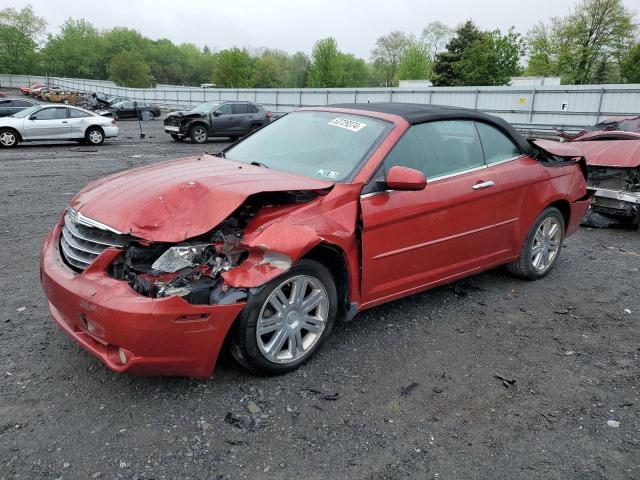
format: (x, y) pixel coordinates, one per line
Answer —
(570, 106)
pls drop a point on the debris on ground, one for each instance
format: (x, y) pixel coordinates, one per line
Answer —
(598, 220)
(506, 382)
(613, 423)
(243, 422)
(330, 397)
(404, 391)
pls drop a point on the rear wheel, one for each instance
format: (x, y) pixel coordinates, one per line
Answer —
(94, 136)
(284, 324)
(542, 246)
(8, 138)
(198, 134)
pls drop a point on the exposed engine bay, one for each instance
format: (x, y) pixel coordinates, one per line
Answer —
(617, 191)
(193, 268)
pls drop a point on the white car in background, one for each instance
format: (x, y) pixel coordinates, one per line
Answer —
(56, 122)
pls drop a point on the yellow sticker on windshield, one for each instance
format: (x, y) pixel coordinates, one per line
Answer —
(347, 124)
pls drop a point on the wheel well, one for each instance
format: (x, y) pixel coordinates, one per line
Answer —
(333, 258)
(198, 124)
(94, 126)
(14, 131)
(564, 208)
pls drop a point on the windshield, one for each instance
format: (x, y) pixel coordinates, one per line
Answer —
(26, 112)
(205, 107)
(322, 145)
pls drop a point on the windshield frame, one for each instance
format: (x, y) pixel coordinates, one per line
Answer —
(212, 106)
(357, 167)
(36, 108)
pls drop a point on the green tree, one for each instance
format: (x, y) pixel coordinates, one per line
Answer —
(324, 69)
(76, 51)
(435, 37)
(233, 69)
(168, 65)
(352, 71)
(414, 63)
(129, 69)
(445, 72)
(199, 64)
(19, 35)
(387, 53)
(630, 67)
(296, 71)
(473, 57)
(268, 72)
(575, 45)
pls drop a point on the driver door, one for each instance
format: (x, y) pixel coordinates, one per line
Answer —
(412, 240)
(50, 123)
(223, 119)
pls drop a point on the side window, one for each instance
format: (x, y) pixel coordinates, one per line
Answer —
(73, 113)
(225, 109)
(239, 108)
(252, 108)
(496, 145)
(438, 148)
(55, 113)
(21, 103)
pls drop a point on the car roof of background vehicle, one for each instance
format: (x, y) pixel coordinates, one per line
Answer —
(416, 113)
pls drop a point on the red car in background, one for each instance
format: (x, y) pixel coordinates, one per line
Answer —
(321, 214)
(27, 90)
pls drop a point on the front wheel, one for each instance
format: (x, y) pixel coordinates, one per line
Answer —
(198, 134)
(284, 324)
(8, 138)
(542, 246)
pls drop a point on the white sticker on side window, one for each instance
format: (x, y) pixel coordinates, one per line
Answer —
(347, 124)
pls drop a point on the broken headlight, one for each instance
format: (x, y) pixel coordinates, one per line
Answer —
(179, 257)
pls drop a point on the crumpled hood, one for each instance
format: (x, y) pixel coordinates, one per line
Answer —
(179, 199)
(611, 153)
(186, 114)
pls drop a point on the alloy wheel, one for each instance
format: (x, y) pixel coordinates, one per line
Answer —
(95, 136)
(8, 139)
(292, 319)
(200, 135)
(546, 244)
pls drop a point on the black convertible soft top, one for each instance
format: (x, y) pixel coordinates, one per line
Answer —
(416, 113)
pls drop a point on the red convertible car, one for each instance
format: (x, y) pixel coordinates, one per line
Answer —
(311, 219)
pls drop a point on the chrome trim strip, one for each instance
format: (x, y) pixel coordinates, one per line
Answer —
(73, 243)
(76, 233)
(89, 222)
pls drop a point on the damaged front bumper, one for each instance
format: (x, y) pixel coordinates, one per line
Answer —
(618, 202)
(127, 331)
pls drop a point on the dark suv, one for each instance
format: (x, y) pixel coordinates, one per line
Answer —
(216, 119)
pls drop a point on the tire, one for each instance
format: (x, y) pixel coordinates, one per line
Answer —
(94, 136)
(198, 134)
(9, 138)
(177, 138)
(251, 350)
(542, 236)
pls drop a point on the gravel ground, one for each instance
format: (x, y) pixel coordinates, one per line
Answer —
(407, 390)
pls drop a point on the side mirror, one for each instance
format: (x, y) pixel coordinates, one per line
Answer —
(405, 178)
(216, 113)
(32, 117)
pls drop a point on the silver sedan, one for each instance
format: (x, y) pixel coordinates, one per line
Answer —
(56, 122)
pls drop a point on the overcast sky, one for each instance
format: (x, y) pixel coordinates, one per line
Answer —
(294, 25)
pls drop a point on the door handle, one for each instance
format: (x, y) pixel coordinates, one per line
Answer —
(64, 121)
(486, 184)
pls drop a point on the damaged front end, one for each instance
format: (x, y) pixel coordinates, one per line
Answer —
(194, 269)
(617, 191)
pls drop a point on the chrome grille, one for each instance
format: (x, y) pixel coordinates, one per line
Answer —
(81, 241)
